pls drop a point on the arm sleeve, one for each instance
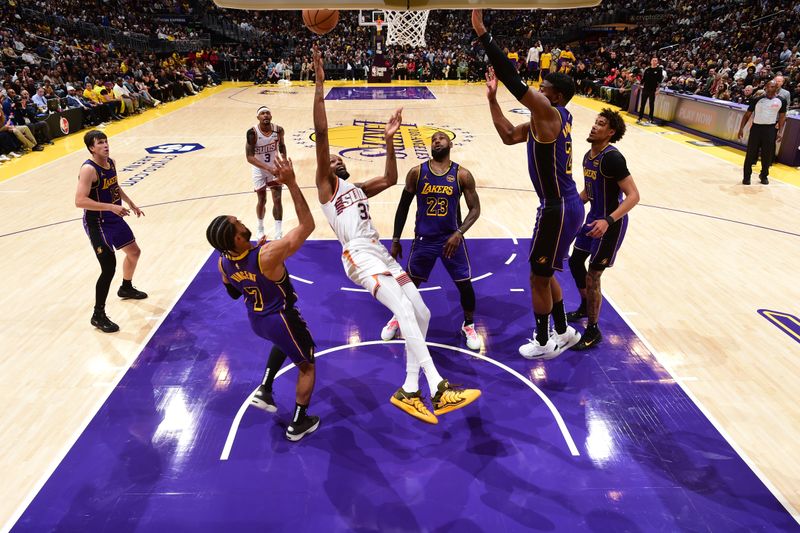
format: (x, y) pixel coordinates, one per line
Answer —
(402, 213)
(752, 105)
(503, 67)
(613, 166)
(232, 292)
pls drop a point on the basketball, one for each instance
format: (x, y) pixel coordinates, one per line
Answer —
(320, 21)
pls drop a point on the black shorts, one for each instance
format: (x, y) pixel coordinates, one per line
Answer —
(557, 223)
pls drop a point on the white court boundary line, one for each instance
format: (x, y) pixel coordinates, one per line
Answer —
(15, 516)
(739, 451)
(301, 280)
(226, 450)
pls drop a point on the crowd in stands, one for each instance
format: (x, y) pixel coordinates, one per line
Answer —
(724, 49)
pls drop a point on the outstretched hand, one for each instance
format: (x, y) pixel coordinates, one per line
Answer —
(285, 171)
(393, 124)
(319, 71)
(477, 22)
(491, 84)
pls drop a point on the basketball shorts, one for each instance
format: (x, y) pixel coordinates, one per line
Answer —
(288, 331)
(603, 250)
(262, 180)
(364, 259)
(557, 224)
(424, 252)
(112, 232)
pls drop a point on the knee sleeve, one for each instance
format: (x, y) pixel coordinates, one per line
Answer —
(577, 266)
(467, 293)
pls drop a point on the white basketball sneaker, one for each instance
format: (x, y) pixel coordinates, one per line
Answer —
(566, 340)
(473, 339)
(390, 329)
(259, 234)
(533, 350)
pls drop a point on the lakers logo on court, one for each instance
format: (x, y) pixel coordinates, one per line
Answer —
(364, 139)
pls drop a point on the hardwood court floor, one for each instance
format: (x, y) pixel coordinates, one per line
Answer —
(702, 255)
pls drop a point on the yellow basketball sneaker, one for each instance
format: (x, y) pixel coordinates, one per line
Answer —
(411, 403)
(449, 398)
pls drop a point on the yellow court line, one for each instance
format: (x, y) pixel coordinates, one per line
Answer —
(772, 316)
(73, 142)
(779, 171)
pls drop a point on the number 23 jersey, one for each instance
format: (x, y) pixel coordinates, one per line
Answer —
(348, 213)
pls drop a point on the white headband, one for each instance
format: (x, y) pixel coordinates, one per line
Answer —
(261, 109)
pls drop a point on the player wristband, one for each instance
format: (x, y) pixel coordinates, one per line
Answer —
(395, 239)
(460, 231)
(610, 220)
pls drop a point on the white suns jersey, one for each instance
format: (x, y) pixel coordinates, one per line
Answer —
(348, 213)
(266, 151)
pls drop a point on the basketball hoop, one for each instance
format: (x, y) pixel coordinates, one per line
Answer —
(406, 27)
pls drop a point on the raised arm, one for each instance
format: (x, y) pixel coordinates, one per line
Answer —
(509, 133)
(544, 117)
(326, 180)
(401, 214)
(275, 253)
(389, 178)
(467, 184)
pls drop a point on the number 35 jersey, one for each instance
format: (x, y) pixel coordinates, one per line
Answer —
(348, 213)
(437, 201)
(262, 295)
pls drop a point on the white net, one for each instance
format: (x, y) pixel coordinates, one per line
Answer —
(406, 27)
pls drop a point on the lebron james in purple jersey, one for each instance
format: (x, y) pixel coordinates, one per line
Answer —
(101, 197)
(606, 179)
(258, 272)
(549, 145)
(439, 232)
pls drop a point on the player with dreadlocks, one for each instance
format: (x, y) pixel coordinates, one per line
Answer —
(258, 272)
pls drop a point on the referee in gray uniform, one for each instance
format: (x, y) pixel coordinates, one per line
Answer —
(769, 114)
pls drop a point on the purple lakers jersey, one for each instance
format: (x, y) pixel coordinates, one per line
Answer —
(602, 190)
(262, 295)
(438, 197)
(105, 190)
(550, 164)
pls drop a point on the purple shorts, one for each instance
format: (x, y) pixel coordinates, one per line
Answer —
(112, 232)
(425, 251)
(557, 223)
(288, 331)
(603, 250)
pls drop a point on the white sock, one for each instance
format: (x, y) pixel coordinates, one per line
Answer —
(431, 374)
(261, 225)
(278, 224)
(411, 384)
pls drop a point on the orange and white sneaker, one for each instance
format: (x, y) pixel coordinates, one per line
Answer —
(411, 403)
(390, 329)
(473, 339)
(450, 397)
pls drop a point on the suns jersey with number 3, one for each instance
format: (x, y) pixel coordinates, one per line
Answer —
(265, 151)
(550, 164)
(348, 213)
